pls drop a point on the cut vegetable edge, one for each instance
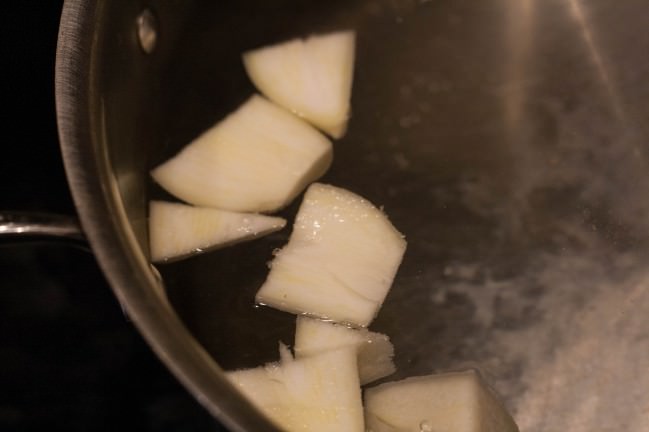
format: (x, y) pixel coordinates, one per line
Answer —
(256, 159)
(340, 261)
(311, 77)
(320, 393)
(458, 401)
(374, 350)
(177, 230)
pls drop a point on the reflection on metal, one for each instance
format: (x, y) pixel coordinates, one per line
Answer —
(26, 226)
(147, 31)
(578, 14)
(519, 33)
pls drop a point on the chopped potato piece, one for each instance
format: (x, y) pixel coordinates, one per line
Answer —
(311, 77)
(255, 160)
(316, 393)
(451, 402)
(375, 352)
(178, 230)
(340, 261)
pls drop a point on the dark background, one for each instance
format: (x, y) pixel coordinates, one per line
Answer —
(69, 358)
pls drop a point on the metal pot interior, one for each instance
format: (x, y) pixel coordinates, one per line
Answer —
(507, 139)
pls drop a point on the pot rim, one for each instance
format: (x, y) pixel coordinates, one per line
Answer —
(132, 278)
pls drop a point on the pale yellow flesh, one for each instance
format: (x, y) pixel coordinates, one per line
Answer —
(340, 260)
(179, 230)
(452, 402)
(255, 160)
(320, 393)
(375, 351)
(311, 77)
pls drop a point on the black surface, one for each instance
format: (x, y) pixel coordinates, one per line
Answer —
(68, 356)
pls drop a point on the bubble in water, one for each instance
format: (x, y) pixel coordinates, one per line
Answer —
(425, 426)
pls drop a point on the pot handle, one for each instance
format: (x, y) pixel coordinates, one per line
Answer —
(26, 226)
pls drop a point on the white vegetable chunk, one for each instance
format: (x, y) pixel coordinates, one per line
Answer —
(451, 402)
(255, 160)
(340, 261)
(375, 351)
(285, 355)
(317, 393)
(179, 230)
(311, 77)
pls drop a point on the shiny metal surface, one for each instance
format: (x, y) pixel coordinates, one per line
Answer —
(147, 30)
(507, 139)
(98, 193)
(20, 225)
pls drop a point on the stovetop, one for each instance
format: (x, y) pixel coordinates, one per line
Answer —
(69, 357)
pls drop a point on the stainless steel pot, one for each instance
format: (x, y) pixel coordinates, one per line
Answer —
(507, 139)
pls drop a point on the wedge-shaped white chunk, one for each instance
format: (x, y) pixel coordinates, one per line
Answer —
(375, 351)
(285, 355)
(340, 261)
(317, 393)
(452, 402)
(179, 230)
(255, 160)
(311, 77)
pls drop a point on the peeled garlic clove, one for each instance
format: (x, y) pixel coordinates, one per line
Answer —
(459, 402)
(255, 160)
(320, 393)
(375, 351)
(340, 260)
(311, 77)
(179, 230)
